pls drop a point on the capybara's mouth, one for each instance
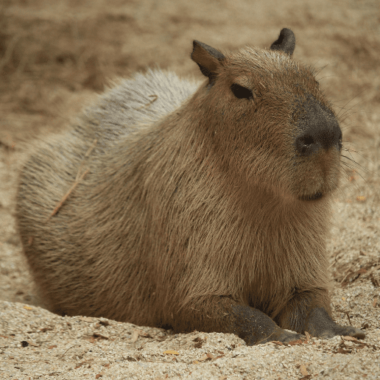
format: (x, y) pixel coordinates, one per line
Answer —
(313, 197)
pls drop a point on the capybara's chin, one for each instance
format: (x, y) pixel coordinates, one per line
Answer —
(317, 177)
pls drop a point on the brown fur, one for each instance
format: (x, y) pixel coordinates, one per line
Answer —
(186, 209)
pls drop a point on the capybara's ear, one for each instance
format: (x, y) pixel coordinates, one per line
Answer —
(285, 42)
(207, 58)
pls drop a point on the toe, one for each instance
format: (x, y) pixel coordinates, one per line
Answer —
(349, 331)
(288, 337)
(357, 333)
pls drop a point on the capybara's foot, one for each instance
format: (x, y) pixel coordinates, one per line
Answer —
(343, 330)
(321, 325)
(283, 336)
(255, 327)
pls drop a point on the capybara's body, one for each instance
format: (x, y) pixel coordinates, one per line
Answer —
(192, 205)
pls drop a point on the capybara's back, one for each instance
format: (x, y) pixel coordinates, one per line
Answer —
(63, 244)
(192, 206)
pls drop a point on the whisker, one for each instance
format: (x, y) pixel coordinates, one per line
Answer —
(351, 100)
(320, 69)
(352, 160)
(347, 165)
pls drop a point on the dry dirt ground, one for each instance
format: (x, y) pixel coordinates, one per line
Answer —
(55, 57)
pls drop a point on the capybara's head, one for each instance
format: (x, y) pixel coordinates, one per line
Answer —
(268, 119)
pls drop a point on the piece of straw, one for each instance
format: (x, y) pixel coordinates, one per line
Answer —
(60, 203)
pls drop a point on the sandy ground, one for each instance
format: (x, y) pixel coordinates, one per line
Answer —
(55, 57)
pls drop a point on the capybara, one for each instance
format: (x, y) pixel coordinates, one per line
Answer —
(192, 206)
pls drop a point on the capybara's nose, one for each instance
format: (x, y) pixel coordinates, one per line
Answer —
(318, 128)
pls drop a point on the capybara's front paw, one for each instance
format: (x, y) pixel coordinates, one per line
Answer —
(322, 326)
(283, 336)
(288, 336)
(255, 327)
(343, 330)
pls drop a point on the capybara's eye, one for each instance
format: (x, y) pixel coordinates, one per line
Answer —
(241, 92)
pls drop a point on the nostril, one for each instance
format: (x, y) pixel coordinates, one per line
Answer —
(305, 144)
(306, 140)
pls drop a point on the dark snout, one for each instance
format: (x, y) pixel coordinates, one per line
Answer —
(318, 128)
